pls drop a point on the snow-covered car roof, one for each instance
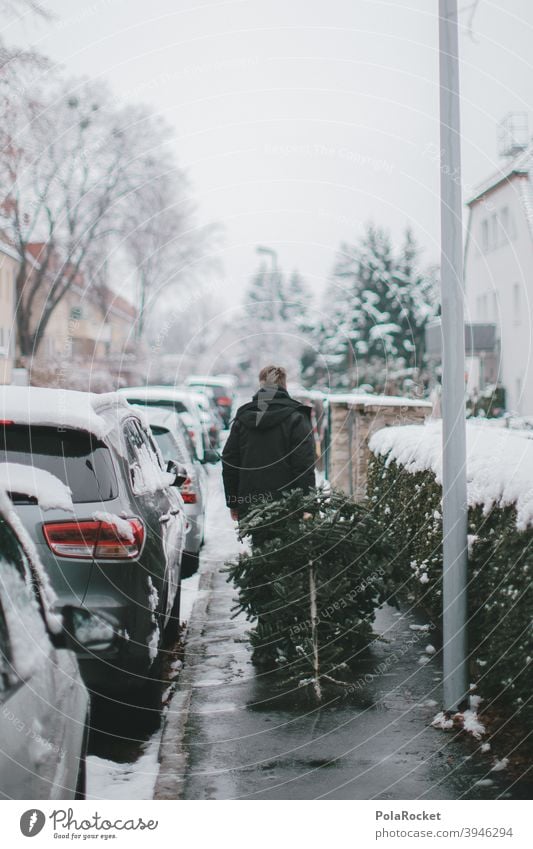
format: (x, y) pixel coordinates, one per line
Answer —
(35, 405)
(163, 393)
(228, 380)
(50, 492)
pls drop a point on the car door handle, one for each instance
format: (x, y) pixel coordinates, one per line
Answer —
(164, 519)
(175, 512)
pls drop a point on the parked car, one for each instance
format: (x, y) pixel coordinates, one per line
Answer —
(223, 388)
(118, 552)
(45, 704)
(168, 431)
(210, 417)
(184, 402)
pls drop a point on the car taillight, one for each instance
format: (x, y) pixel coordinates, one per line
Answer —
(95, 539)
(187, 492)
(224, 400)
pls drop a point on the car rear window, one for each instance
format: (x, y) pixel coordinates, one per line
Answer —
(78, 459)
(178, 406)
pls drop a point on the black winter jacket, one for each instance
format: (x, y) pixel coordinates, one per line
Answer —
(270, 450)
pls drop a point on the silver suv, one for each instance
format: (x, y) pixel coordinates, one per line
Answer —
(118, 554)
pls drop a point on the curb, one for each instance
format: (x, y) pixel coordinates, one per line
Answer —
(173, 755)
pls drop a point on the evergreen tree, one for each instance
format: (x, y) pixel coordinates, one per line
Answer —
(296, 299)
(311, 586)
(275, 319)
(418, 295)
(376, 308)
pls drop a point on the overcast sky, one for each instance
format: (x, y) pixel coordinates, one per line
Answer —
(298, 120)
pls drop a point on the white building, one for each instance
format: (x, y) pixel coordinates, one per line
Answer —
(499, 280)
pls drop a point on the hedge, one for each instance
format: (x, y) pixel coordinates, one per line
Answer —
(500, 594)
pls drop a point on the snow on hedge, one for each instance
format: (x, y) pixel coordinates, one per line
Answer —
(50, 492)
(499, 463)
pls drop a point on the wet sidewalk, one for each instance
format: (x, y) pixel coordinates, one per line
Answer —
(232, 734)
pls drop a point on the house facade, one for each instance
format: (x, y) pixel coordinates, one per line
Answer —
(9, 265)
(499, 281)
(89, 339)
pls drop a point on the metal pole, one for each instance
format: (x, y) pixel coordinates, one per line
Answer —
(455, 550)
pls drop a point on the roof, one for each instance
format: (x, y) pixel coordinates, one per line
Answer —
(35, 405)
(520, 165)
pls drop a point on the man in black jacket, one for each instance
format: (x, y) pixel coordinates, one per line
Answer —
(270, 448)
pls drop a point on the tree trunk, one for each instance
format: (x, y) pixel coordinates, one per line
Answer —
(314, 631)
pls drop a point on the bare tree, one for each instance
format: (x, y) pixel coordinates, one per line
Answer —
(69, 160)
(162, 242)
(19, 7)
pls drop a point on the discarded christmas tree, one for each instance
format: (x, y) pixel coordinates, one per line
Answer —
(311, 585)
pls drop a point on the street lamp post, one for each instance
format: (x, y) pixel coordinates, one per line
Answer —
(455, 515)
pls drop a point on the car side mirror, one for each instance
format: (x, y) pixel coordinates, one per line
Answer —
(179, 471)
(84, 630)
(211, 455)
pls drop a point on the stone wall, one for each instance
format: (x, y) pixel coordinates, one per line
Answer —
(352, 424)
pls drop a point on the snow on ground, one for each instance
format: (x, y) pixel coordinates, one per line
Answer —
(499, 462)
(111, 780)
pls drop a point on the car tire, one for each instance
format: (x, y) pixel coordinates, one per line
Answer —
(189, 564)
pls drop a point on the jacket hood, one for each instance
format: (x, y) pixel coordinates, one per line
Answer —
(268, 408)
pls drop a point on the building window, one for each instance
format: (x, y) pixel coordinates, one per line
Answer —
(485, 235)
(494, 238)
(517, 314)
(505, 225)
(482, 303)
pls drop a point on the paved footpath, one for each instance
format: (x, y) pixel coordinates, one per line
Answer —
(231, 734)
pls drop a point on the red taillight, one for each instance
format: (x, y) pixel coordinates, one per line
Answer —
(187, 492)
(5, 422)
(224, 400)
(95, 539)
